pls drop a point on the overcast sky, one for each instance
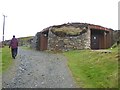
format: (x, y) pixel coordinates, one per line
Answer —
(27, 17)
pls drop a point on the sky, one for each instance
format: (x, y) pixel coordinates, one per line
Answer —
(27, 17)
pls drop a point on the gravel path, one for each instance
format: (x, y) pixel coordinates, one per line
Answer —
(35, 69)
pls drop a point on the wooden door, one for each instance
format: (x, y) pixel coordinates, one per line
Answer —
(43, 42)
(94, 42)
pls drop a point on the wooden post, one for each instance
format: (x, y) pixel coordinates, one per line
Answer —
(3, 26)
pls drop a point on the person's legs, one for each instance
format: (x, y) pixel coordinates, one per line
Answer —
(15, 52)
(12, 51)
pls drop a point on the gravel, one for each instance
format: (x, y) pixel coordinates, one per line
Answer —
(36, 69)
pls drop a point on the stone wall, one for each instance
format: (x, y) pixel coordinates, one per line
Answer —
(70, 36)
(35, 44)
(66, 43)
(116, 36)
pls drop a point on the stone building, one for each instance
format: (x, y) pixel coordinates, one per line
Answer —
(72, 36)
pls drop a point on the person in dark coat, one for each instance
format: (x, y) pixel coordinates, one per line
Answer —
(14, 46)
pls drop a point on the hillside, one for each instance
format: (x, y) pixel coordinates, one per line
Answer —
(22, 41)
(25, 40)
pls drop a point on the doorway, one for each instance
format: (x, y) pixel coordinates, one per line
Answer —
(97, 39)
(43, 41)
(95, 42)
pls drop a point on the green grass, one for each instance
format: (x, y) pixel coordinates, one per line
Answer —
(26, 38)
(6, 58)
(94, 69)
(0, 60)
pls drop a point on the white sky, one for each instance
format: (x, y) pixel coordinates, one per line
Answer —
(27, 17)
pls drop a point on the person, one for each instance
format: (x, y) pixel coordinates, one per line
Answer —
(14, 46)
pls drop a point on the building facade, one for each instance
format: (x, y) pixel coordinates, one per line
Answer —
(74, 36)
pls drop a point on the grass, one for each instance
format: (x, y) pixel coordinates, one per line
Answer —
(68, 30)
(6, 58)
(93, 69)
(0, 60)
(25, 38)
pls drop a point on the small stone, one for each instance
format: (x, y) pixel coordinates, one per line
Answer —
(43, 75)
(20, 68)
(35, 85)
(42, 83)
(7, 84)
(28, 73)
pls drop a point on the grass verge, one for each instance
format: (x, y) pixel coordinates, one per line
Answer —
(6, 58)
(93, 69)
(0, 60)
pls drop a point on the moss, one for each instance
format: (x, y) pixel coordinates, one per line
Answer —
(67, 31)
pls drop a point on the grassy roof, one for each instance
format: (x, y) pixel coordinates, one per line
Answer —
(70, 31)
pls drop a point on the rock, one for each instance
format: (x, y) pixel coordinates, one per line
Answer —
(36, 85)
(71, 85)
(28, 74)
(42, 82)
(43, 75)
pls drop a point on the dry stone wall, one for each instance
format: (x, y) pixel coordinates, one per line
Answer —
(36, 42)
(69, 42)
(116, 36)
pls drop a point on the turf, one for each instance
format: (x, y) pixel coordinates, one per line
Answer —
(6, 58)
(93, 69)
